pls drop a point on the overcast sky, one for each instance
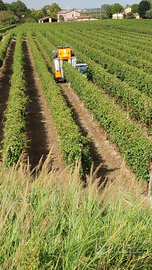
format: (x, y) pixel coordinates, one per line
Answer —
(73, 4)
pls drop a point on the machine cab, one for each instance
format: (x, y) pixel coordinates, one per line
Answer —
(83, 69)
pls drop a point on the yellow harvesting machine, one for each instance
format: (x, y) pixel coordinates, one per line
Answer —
(66, 54)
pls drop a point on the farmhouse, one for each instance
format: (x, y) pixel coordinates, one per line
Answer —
(67, 15)
(137, 16)
(47, 19)
(127, 10)
(117, 16)
(123, 15)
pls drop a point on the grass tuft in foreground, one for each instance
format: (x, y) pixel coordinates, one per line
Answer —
(52, 222)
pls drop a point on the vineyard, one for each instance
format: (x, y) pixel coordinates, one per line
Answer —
(118, 94)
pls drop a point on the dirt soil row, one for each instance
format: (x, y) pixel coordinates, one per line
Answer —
(106, 155)
(41, 131)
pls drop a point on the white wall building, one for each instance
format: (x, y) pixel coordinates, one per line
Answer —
(117, 16)
(127, 10)
(67, 14)
(47, 19)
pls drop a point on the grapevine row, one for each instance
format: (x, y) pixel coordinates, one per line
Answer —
(133, 76)
(133, 29)
(7, 28)
(136, 103)
(126, 38)
(14, 131)
(117, 50)
(121, 131)
(137, 27)
(4, 46)
(130, 140)
(72, 144)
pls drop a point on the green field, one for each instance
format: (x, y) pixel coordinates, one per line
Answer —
(118, 55)
(50, 221)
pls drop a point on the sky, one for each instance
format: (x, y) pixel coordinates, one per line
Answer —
(82, 4)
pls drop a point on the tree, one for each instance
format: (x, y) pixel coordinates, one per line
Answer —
(61, 18)
(52, 10)
(9, 7)
(19, 8)
(130, 15)
(2, 6)
(103, 8)
(143, 7)
(29, 20)
(36, 14)
(116, 8)
(8, 17)
(108, 11)
(134, 8)
(148, 14)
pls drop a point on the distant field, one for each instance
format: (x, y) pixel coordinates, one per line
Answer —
(96, 15)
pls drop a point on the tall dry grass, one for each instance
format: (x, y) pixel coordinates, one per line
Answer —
(53, 222)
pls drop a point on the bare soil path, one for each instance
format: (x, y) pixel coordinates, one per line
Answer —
(105, 154)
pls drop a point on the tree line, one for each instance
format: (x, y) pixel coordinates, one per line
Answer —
(17, 12)
(144, 9)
